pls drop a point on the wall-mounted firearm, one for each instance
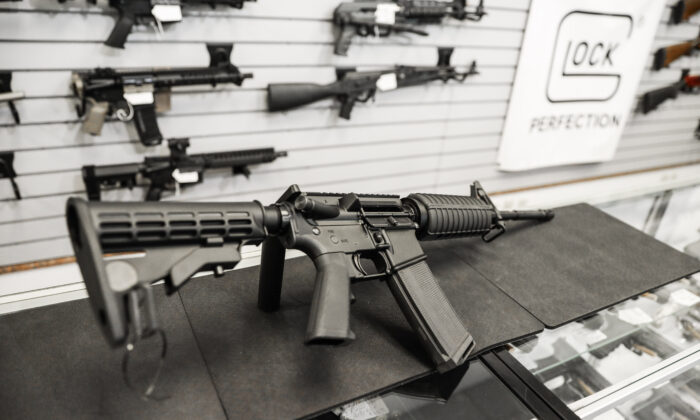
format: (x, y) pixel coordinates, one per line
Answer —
(361, 86)
(341, 233)
(138, 94)
(133, 12)
(382, 18)
(683, 10)
(652, 99)
(7, 170)
(7, 95)
(667, 55)
(163, 173)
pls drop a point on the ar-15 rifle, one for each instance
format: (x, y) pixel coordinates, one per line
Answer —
(652, 99)
(138, 95)
(7, 95)
(339, 232)
(381, 18)
(667, 55)
(133, 12)
(361, 86)
(683, 10)
(170, 172)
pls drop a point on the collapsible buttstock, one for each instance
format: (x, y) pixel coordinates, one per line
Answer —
(284, 96)
(122, 29)
(147, 125)
(329, 317)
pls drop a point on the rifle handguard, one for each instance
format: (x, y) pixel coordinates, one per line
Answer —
(450, 216)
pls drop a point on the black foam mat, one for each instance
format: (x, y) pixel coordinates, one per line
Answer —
(580, 262)
(54, 363)
(262, 369)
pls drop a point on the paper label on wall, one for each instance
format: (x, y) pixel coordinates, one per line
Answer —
(387, 82)
(578, 72)
(386, 13)
(363, 410)
(167, 12)
(139, 98)
(185, 177)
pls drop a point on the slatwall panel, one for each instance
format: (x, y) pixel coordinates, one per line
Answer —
(435, 138)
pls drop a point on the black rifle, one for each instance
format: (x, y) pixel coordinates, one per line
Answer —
(652, 99)
(138, 95)
(7, 170)
(683, 10)
(339, 232)
(133, 12)
(667, 55)
(361, 86)
(170, 172)
(382, 18)
(7, 95)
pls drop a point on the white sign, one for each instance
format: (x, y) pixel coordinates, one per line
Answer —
(579, 69)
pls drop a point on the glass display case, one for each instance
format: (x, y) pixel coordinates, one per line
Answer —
(639, 359)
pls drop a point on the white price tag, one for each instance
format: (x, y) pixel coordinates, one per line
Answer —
(555, 382)
(685, 297)
(387, 82)
(364, 410)
(386, 13)
(593, 337)
(185, 177)
(139, 98)
(634, 316)
(167, 12)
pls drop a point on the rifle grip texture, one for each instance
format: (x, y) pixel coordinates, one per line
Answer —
(147, 125)
(271, 274)
(329, 318)
(430, 313)
(117, 38)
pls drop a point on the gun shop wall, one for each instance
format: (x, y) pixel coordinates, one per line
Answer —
(431, 138)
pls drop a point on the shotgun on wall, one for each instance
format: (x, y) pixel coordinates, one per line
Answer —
(132, 12)
(360, 86)
(687, 84)
(169, 173)
(667, 55)
(137, 95)
(381, 18)
(350, 238)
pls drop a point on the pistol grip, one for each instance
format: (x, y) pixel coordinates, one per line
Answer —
(343, 39)
(147, 125)
(346, 107)
(121, 31)
(431, 315)
(329, 319)
(271, 273)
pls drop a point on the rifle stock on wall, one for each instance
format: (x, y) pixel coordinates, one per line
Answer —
(139, 94)
(167, 173)
(683, 10)
(652, 99)
(667, 55)
(356, 86)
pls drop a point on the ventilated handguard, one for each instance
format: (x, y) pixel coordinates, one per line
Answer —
(451, 216)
